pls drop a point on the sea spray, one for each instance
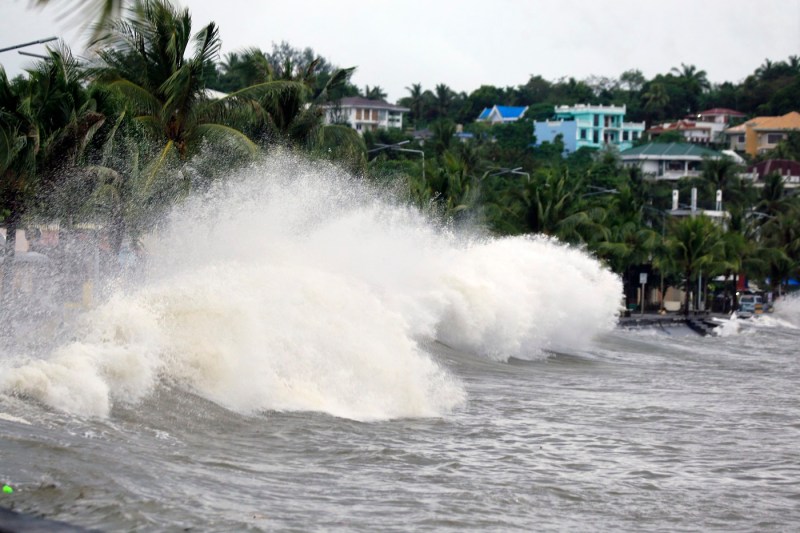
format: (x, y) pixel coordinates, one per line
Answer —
(787, 308)
(297, 287)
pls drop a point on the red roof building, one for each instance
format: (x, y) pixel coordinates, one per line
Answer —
(693, 132)
(788, 169)
(719, 115)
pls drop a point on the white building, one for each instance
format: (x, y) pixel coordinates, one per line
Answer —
(365, 115)
(668, 161)
(692, 131)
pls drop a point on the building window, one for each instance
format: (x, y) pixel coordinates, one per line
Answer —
(596, 137)
(624, 135)
(597, 121)
(741, 138)
(583, 134)
(774, 138)
(634, 135)
(358, 114)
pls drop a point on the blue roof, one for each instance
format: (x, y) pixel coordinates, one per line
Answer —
(484, 113)
(510, 111)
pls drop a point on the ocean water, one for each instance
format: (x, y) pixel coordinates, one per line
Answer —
(300, 352)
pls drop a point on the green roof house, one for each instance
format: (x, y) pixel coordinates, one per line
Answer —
(668, 161)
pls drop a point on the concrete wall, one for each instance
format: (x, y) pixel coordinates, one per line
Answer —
(546, 131)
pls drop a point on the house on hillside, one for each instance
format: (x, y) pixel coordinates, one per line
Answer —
(696, 132)
(761, 134)
(668, 161)
(718, 115)
(365, 115)
(787, 169)
(592, 126)
(501, 114)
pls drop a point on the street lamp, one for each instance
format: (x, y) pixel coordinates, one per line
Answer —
(599, 190)
(30, 54)
(23, 45)
(501, 171)
(396, 148)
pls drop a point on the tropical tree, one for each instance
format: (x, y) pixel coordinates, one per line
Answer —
(723, 174)
(69, 113)
(444, 99)
(243, 69)
(693, 245)
(656, 99)
(416, 102)
(20, 142)
(374, 93)
(146, 61)
(450, 190)
(628, 242)
(46, 120)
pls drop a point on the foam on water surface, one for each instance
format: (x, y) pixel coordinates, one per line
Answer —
(297, 287)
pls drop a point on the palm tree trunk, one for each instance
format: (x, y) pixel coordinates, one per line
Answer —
(686, 293)
(726, 292)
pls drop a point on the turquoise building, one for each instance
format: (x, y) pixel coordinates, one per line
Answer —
(593, 126)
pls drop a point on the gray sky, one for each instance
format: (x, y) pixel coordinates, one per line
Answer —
(468, 43)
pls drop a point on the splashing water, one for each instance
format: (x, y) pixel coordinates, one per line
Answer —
(296, 287)
(787, 309)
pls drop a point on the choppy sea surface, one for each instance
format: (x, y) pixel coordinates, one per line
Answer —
(303, 353)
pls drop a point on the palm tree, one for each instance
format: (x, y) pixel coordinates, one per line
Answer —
(766, 70)
(70, 113)
(656, 99)
(628, 242)
(696, 79)
(443, 132)
(20, 141)
(293, 115)
(46, 121)
(243, 69)
(723, 175)
(416, 102)
(147, 63)
(444, 98)
(374, 93)
(694, 83)
(694, 244)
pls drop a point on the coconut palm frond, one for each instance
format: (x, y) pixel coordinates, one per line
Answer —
(220, 130)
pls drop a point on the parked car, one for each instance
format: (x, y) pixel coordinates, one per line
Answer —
(752, 304)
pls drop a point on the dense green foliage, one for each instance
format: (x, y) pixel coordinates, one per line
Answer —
(118, 142)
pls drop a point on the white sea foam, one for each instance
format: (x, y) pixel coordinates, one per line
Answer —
(298, 288)
(787, 309)
(728, 327)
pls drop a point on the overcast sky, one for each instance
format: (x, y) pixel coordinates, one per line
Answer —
(468, 43)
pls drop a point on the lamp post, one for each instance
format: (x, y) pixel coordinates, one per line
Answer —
(501, 171)
(30, 54)
(396, 148)
(23, 45)
(599, 190)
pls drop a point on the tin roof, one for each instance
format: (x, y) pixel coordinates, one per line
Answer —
(654, 150)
